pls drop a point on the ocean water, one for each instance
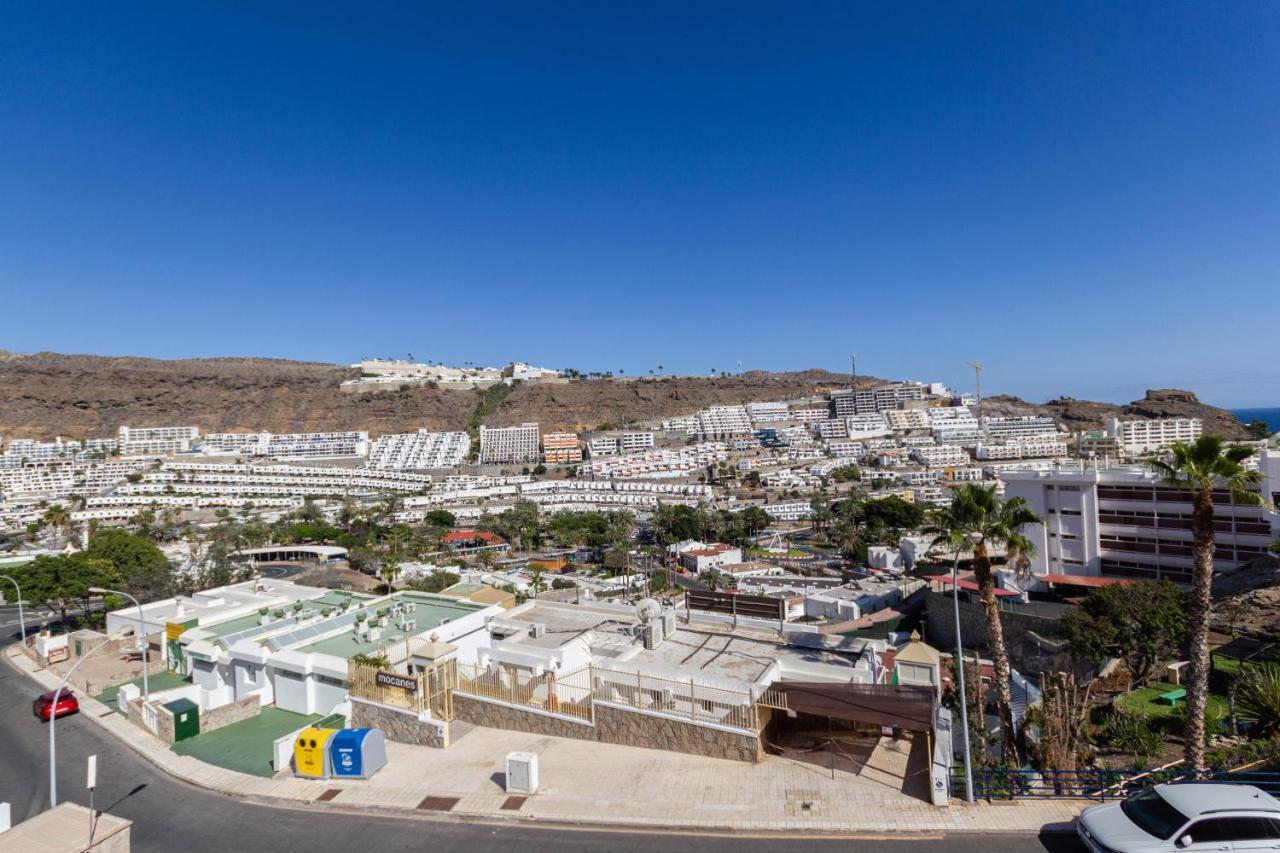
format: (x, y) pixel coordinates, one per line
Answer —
(1270, 416)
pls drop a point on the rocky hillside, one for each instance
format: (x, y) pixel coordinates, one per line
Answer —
(1076, 415)
(78, 396)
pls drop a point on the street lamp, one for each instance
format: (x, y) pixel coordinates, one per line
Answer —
(22, 620)
(964, 705)
(142, 633)
(53, 716)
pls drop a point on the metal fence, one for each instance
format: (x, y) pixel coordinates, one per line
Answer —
(1095, 783)
(698, 703)
(560, 693)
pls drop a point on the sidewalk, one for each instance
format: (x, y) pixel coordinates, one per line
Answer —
(593, 784)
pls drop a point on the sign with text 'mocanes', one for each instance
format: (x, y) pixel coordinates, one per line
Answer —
(391, 679)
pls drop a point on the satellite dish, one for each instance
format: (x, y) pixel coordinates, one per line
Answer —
(648, 608)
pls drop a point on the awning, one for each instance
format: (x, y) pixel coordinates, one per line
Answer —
(968, 585)
(898, 705)
(1091, 581)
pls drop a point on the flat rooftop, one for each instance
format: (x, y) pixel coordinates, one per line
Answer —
(430, 613)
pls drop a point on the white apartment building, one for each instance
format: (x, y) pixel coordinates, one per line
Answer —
(907, 419)
(418, 450)
(789, 510)
(952, 418)
(1024, 447)
(603, 445)
(829, 429)
(686, 461)
(500, 445)
(806, 415)
(634, 442)
(999, 428)
(1148, 435)
(846, 449)
(878, 399)
(297, 445)
(1123, 521)
(761, 413)
(24, 451)
(941, 456)
(136, 441)
(687, 424)
(720, 422)
(868, 425)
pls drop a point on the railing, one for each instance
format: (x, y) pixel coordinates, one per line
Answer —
(560, 693)
(698, 703)
(1096, 783)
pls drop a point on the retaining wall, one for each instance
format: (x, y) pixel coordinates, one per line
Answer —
(398, 724)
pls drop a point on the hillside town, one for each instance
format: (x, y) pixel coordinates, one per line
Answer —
(780, 580)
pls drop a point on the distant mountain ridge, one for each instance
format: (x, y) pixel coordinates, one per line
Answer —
(79, 396)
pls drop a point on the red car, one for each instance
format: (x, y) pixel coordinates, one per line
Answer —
(67, 704)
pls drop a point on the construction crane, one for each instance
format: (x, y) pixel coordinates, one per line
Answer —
(977, 380)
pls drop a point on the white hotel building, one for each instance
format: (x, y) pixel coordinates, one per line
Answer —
(160, 441)
(761, 413)
(1141, 436)
(1123, 521)
(500, 445)
(419, 450)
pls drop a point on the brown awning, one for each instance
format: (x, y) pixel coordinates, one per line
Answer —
(901, 706)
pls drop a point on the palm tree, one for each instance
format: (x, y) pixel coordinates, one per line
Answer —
(1200, 468)
(57, 517)
(977, 521)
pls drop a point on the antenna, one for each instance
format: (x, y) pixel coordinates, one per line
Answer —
(853, 372)
(977, 379)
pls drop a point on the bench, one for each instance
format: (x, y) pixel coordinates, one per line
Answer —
(1172, 697)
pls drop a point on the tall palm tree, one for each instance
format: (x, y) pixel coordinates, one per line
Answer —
(1201, 468)
(977, 521)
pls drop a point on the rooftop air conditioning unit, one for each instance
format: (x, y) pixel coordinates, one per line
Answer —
(537, 629)
(653, 634)
(669, 622)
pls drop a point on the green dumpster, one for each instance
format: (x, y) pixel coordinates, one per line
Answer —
(186, 718)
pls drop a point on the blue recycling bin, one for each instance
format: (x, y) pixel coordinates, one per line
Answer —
(357, 753)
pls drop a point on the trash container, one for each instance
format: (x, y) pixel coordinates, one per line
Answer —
(311, 753)
(186, 718)
(357, 753)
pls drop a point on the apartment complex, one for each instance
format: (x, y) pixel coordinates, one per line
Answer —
(719, 422)
(499, 445)
(1137, 437)
(160, 441)
(768, 412)
(879, 399)
(559, 448)
(421, 449)
(295, 445)
(1123, 521)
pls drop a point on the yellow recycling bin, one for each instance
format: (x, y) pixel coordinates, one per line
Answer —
(311, 754)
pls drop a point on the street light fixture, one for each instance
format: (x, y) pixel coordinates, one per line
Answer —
(142, 633)
(964, 705)
(53, 716)
(22, 620)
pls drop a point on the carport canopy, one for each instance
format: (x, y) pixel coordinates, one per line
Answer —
(901, 706)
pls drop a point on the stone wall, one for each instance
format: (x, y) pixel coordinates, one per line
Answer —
(399, 725)
(614, 725)
(233, 712)
(1024, 630)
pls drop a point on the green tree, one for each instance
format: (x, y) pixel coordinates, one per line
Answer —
(1201, 468)
(62, 583)
(140, 565)
(57, 517)
(975, 522)
(1258, 430)
(1143, 623)
(441, 518)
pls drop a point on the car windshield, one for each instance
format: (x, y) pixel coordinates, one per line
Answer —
(1153, 814)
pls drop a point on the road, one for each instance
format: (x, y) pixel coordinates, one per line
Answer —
(172, 816)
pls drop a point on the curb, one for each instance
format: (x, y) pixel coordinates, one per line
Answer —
(523, 821)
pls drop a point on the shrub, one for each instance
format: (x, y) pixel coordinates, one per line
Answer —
(1258, 696)
(1131, 733)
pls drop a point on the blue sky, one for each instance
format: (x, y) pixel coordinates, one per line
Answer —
(1083, 196)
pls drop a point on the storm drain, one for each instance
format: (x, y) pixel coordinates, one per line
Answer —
(513, 804)
(328, 795)
(438, 804)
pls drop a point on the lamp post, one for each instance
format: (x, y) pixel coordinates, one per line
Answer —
(22, 620)
(53, 717)
(142, 633)
(964, 705)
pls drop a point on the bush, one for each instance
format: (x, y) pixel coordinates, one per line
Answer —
(1215, 720)
(1131, 733)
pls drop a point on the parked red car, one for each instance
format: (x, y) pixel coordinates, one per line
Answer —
(67, 704)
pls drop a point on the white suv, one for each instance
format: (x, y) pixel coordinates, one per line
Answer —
(1190, 817)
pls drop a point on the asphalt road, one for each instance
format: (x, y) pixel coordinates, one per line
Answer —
(172, 816)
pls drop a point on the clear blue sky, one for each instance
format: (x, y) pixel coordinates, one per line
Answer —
(1083, 196)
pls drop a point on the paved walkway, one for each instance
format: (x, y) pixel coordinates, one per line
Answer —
(597, 784)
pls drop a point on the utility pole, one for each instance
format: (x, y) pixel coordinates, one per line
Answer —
(853, 372)
(977, 380)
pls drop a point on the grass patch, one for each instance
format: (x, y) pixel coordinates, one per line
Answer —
(1143, 702)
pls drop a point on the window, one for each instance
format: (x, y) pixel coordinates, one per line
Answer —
(1210, 831)
(333, 682)
(1153, 814)
(1253, 828)
(288, 673)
